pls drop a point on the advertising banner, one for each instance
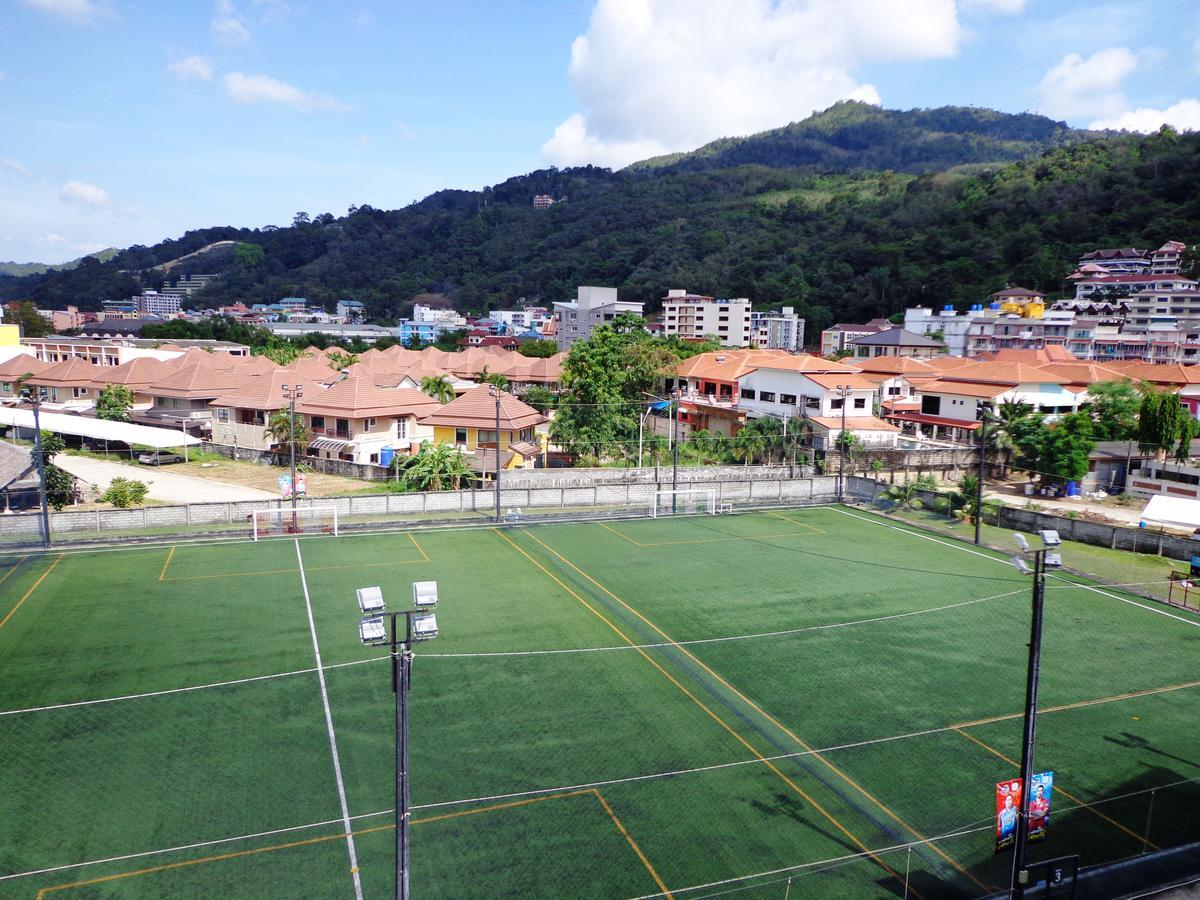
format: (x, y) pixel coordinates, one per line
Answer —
(1039, 805)
(301, 484)
(1008, 810)
(285, 487)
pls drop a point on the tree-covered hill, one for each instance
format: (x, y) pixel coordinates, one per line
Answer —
(851, 135)
(836, 244)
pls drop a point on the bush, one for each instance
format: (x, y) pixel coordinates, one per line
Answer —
(124, 493)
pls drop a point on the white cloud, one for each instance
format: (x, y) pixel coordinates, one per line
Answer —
(1009, 7)
(655, 76)
(227, 27)
(83, 194)
(243, 88)
(194, 68)
(11, 165)
(1182, 116)
(1092, 86)
(405, 131)
(74, 12)
(53, 238)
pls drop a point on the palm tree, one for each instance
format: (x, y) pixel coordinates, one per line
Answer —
(435, 467)
(279, 427)
(500, 381)
(438, 387)
(1000, 427)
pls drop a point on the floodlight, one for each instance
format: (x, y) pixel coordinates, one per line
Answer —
(424, 628)
(1021, 542)
(371, 630)
(1050, 537)
(1053, 560)
(370, 599)
(1021, 565)
(425, 594)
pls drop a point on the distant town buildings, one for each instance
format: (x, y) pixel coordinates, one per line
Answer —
(542, 201)
(836, 338)
(592, 306)
(695, 316)
(783, 330)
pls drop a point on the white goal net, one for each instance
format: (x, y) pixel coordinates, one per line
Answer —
(302, 520)
(691, 501)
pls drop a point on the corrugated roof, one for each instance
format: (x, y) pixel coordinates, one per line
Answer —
(477, 409)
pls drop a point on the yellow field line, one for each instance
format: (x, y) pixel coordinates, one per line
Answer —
(323, 839)
(621, 534)
(16, 566)
(795, 522)
(162, 576)
(420, 549)
(1060, 790)
(29, 592)
(741, 740)
(662, 886)
(1148, 692)
(232, 575)
(804, 744)
(403, 562)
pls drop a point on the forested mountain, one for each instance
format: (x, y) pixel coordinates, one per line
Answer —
(854, 135)
(33, 268)
(838, 242)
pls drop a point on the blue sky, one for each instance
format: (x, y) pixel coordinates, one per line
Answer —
(128, 121)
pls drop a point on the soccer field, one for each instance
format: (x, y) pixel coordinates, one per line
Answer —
(683, 706)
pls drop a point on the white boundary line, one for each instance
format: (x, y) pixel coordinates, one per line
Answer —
(1066, 581)
(337, 763)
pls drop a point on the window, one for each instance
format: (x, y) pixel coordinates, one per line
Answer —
(931, 405)
(401, 428)
(460, 435)
(482, 436)
(836, 403)
(860, 402)
(78, 392)
(789, 399)
(318, 423)
(223, 415)
(370, 425)
(766, 396)
(748, 394)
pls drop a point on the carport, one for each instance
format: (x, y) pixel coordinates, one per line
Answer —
(101, 429)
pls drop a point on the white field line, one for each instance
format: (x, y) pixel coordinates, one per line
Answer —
(1066, 581)
(565, 651)
(337, 763)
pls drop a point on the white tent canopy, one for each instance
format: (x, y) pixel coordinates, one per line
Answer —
(1174, 512)
(100, 429)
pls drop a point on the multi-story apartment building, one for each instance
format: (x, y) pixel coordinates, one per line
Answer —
(694, 317)
(448, 318)
(1117, 261)
(946, 325)
(1170, 299)
(350, 310)
(592, 306)
(835, 338)
(153, 303)
(1168, 258)
(783, 330)
(542, 201)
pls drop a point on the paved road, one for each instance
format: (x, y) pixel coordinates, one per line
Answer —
(1061, 506)
(163, 483)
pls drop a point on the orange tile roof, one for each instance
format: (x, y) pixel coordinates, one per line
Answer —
(894, 365)
(73, 372)
(854, 423)
(965, 388)
(140, 373)
(266, 391)
(477, 409)
(947, 363)
(18, 365)
(730, 365)
(313, 369)
(206, 358)
(851, 380)
(255, 365)
(356, 397)
(196, 382)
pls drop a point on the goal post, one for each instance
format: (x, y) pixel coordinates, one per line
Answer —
(689, 501)
(302, 520)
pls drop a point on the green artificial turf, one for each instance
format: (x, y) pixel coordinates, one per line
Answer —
(586, 724)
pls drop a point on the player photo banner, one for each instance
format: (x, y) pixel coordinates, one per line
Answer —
(1039, 805)
(1008, 810)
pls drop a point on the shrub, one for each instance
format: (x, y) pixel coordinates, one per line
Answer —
(125, 492)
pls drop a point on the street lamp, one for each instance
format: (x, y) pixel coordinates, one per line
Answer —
(419, 625)
(495, 392)
(985, 411)
(843, 391)
(1047, 557)
(35, 396)
(293, 393)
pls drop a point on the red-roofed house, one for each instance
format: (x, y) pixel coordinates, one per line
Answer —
(354, 420)
(469, 423)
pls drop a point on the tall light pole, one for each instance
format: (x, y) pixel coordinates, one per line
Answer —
(641, 427)
(293, 393)
(844, 393)
(34, 396)
(675, 395)
(419, 625)
(495, 392)
(1047, 556)
(985, 411)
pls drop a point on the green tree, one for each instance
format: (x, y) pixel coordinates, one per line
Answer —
(1114, 406)
(538, 349)
(494, 378)
(60, 487)
(279, 429)
(249, 255)
(540, 398)
(123, 493)
(1159, 421)
(31, 322)
(340, 360)
(434, 467)
(1029, 439)
(1067, 444)
(1187, 431)
(438, 387)
(281, 352)
(114, 403)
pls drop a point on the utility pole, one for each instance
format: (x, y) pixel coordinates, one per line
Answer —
(983, 420)
(293, 393)
(35, 397)
(844, 393)
(495, 392)
(675, 454)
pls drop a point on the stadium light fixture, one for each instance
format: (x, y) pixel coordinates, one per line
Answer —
(1021, 542)
(1050, 537)
(419, 625)
(1021, 566)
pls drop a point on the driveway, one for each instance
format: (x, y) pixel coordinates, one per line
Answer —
(163, 483)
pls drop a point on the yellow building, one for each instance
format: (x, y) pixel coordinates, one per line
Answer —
(10, 336)
(469, 422)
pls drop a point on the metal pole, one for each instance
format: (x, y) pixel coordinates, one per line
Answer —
(844, 393)
(1149, 817)
(675, 455)
(402, 676)
(979, 487)
(292, 445)
(1029, 735)
(41, 464)
(496, 393)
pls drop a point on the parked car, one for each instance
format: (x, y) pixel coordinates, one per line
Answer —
(159, 458)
